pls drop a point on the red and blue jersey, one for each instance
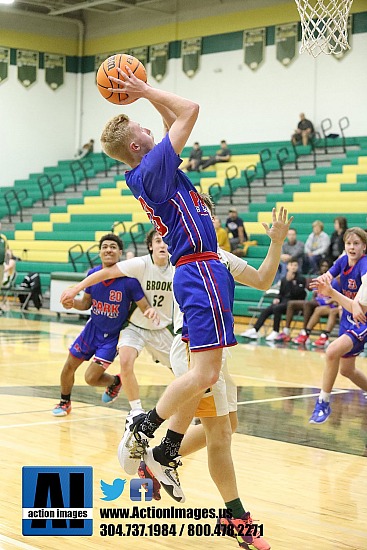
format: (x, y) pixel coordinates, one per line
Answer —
(350, 281)
(111, 301)
(172, 203)
(350, 275)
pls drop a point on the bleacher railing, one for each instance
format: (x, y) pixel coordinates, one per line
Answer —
(77, 166)
(93, 255)
(45, 181)
(122, 228)
(16, 197)
(138, 235)
(75, 253)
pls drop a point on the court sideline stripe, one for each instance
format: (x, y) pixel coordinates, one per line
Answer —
(287, 397)
(57, 422)
(17, 543)
(112, 417)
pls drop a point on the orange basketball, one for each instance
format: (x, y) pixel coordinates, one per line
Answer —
(109, 68)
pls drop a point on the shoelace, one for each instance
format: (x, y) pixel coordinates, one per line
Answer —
(111, 390)
(138, 446)
(173, 469)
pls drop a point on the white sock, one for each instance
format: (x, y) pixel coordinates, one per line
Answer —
(324, 396)
(286, 330)
(135, 405)
(303, 332)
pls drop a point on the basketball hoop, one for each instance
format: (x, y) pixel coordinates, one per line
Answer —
(324, 26)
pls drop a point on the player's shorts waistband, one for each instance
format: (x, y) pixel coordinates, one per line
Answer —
(200, 257)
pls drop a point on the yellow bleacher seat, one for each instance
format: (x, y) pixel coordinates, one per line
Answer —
(42, 226)
(113, 192)
(60, 217)
(337, 207)
(331, 196)
(355, 169)
(113, 200)
(341, 178)
(103, 209)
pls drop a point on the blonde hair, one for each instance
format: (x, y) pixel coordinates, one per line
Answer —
(356, 231)
(115, 139)
(207, 200)
(319, 223)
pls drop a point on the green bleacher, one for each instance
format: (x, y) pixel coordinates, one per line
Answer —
(81, 221)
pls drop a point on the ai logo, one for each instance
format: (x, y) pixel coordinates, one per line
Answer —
(57, 500)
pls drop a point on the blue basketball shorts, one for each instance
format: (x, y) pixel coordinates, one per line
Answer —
(92, 342)
(358, 335)
(204, 291)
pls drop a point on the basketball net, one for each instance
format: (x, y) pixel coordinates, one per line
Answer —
(324, 26)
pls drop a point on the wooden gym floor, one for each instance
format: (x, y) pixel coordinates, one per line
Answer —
(306, 484)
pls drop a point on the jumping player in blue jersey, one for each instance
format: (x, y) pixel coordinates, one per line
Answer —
(203, 287)
(110, 303)
(352, 335)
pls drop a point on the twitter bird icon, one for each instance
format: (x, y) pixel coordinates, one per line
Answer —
(112, 492)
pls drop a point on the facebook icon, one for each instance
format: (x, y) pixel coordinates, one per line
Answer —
(141, 489)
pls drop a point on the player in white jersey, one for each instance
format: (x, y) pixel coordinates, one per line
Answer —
(154, 273)
(217, 409)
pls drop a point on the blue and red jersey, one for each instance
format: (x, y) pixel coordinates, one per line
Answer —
(172, 203)
(350, 276)
(350, 281)
(111, 301)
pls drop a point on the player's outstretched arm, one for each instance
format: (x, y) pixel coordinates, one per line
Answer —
(263, 277)
(81, 304)
(97, 277)
(323, 287)
(148, 311)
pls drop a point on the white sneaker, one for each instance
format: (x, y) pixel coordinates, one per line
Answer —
(133, 444)
(250, 333)
(272, 336)
(166, 475)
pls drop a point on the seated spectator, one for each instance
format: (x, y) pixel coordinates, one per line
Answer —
(129, 254)
(323, 267)
(85, 150)
(222, 235)
(317, 246)
(292, 287)
(222, 155)
(304, 131)
(4, 246)
(291, 248)
(196, 155)
(9, 268)
(236, 229)
(313, 310)
(336, 248)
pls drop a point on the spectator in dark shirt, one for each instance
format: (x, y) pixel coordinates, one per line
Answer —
(304, 131)
(337, 238)
(222, 155)
(196, 154)
(292, 287)
(236, 229)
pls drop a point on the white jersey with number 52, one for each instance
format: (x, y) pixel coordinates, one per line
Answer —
(156, 283)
